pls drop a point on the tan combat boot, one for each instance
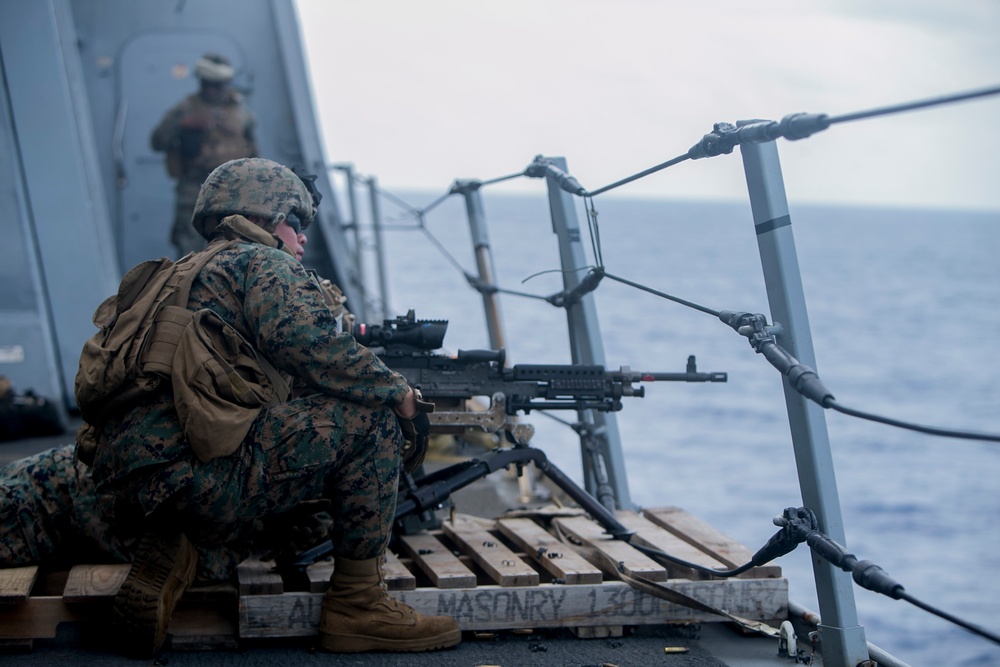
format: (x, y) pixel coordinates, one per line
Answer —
(163, 567)
(360, 615)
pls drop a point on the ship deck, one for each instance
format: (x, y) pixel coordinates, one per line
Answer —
(545, 583)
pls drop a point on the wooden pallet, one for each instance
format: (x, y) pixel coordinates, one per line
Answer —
(542, 571)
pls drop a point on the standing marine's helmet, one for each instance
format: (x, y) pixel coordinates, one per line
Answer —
(213, 68)
(253, 186)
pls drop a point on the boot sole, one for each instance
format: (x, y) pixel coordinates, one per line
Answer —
(163, 567)
(338, 643)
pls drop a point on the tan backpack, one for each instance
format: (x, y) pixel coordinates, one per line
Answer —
(111, 377)
(148, 336)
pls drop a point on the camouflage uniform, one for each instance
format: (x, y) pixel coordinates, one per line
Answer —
(341, 442)
(205, 482)
(48, 513)
(225, 132)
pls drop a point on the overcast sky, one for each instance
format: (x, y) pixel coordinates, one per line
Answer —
(419, 93)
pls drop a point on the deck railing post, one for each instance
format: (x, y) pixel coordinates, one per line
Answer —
(380, 263)
(843, 639)
(600, 431)
(484, 261)
(354, 227)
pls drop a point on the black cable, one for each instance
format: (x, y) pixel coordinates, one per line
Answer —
(412, 210)
(799, 525)
(664, 295)
(656, 553)
(500, 179)
(910, 106)
(932, 430)
(806, 381)
(971, 627)
(865, 573)
(484, 288)
(434, 204)
(641, 174)
(444, 251)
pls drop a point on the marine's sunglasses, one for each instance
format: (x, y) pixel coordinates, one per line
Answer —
(293, 221)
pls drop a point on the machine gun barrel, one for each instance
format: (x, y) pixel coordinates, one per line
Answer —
(530, 386)
(691, 374)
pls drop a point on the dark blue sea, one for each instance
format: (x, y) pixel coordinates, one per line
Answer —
(904, 307)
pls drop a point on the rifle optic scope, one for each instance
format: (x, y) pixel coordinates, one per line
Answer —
(405, 330)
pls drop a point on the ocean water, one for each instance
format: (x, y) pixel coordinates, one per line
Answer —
(905, 313)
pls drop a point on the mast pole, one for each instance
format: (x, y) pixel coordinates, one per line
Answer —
(600, 441)
(842, 637)
(484, 260)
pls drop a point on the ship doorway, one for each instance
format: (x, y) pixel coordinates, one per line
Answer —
(156, 71)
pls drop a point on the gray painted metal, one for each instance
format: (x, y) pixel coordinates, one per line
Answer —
(380, 264)
(138, 61)
(587, 347)
(26, 337)
(843, 638)
(83, 196)
(61, 217)
(353, 225)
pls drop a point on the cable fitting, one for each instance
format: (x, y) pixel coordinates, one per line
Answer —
(869, 575)
(567, 298)
(720, 141)
(724, 137)
(542, 167)
(752, 325)
(802, 125)
(481, 286)
(797, 525)
(462, 187)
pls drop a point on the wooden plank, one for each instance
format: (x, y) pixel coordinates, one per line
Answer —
(38, 617)
(443, 567)
(712, 541)
(617, 554)
(500, 563)
(397, 576)
(558, 559)
(94, 582)
(258, 577)
(16, 583)
(545, 606)
(651, 535)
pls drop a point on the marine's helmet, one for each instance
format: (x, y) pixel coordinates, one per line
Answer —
(214, 68)
(254, 186)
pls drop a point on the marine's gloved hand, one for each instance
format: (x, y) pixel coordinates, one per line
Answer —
(415, 433)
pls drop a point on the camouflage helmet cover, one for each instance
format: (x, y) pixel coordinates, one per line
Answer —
(252, 186)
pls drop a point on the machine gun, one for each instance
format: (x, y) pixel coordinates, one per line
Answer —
(407, 346)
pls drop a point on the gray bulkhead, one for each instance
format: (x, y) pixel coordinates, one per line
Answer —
(82, 195)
